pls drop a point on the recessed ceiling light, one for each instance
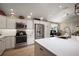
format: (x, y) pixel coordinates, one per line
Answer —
(28, 16)
(41, 18)
(31, 13)
(12, 13)
(60, 6)
(11, 9)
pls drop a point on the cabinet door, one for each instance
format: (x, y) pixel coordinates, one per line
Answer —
(30, 32)
(10, 42)
(47, 29)
(2, 22)
(29, 24)
(2, 46)
(30, 37)
(7, 43)
(10, 23)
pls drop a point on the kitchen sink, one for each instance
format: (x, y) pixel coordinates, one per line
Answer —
(63, 37)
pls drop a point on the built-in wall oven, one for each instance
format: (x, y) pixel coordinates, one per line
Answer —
(20, 25)
(21, 35)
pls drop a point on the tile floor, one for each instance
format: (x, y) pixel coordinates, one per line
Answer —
(24, 51)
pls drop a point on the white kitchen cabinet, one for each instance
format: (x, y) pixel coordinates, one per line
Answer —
(30, 37)
(2, 22)
(10, 42)
(39, 22)
(30, 24)
(11, 23)
(2, 45)
(47, 29)
(30, 31)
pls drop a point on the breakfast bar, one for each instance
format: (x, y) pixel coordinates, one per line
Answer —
(57, 46)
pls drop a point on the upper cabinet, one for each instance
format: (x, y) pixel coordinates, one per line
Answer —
(11, 23)
(47, 29)
(30, 24)
(2, 22)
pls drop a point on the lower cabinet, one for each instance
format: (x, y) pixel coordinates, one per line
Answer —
(10, 42)
(2, 45)
(7, 42)
(41, 51)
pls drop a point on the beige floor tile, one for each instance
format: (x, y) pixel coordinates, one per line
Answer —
(24, 51)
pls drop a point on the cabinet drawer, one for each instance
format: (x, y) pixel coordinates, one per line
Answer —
(2, 22)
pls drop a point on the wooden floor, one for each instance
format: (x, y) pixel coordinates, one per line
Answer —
(24, 51)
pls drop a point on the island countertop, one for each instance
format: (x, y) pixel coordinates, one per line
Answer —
(59, 46)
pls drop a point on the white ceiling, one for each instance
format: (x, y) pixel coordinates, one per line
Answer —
(50, 11)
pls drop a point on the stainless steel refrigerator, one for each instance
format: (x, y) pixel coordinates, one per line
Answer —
(39, 31)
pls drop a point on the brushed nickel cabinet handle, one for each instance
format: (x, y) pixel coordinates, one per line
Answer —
(41, 49)
(0, 40)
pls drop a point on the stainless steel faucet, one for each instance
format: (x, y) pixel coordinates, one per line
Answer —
(68, 32)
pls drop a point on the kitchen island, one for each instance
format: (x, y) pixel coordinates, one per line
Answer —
(56, 46)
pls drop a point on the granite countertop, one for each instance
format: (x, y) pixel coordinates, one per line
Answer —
(59, 46)
(3, 36)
